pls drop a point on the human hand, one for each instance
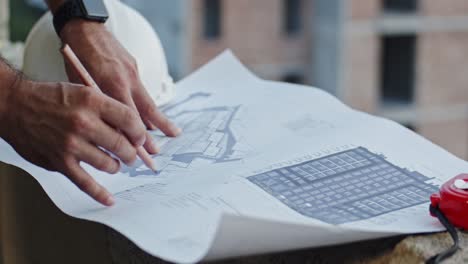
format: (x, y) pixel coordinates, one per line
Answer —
(58, 125)
(115, 72)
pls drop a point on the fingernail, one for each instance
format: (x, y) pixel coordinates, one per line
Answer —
(110, 200)
(176, 130)
(152, 147)
(156, 148)
(141, 141)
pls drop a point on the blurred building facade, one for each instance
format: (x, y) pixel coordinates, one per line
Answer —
(401, 59)
(404, 60)
(273, 37)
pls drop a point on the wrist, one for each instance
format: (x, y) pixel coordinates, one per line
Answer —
(80, 28)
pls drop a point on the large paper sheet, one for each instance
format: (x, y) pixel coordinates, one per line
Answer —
(261, 167)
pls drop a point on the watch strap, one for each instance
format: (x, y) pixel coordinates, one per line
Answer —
(69, 10)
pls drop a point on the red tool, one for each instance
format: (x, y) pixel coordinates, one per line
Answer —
(450, 206)
(452, 200)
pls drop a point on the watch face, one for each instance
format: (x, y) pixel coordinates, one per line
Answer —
(95, 8)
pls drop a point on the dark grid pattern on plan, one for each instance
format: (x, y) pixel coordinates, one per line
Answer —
(345, 187)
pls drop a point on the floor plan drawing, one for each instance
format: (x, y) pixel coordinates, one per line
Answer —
(210, 135)
(348, 186)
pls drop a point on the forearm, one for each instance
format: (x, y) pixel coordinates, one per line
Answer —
(8, 78)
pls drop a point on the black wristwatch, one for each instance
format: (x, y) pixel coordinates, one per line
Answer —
(91, 10)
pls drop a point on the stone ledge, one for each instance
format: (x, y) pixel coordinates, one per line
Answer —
(418, 248)
(410, 249)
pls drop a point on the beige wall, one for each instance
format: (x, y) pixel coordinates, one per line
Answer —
(361, 70)
(443, 64)
(253, 30)
(444, 8)
(443, 82)
(362, 9)
(360, 51)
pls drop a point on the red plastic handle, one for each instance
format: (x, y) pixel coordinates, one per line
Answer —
(453, 202)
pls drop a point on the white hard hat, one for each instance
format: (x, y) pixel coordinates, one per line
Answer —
(43, 61)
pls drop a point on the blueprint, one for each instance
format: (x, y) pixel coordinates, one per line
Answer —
(211, 135)
(262, 167)
(347, 186)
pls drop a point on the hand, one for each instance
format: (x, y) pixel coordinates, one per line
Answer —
(58, 125)
(115, 72)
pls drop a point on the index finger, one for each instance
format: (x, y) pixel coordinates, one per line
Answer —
(124, 119)
(149, 111)
(87, 184)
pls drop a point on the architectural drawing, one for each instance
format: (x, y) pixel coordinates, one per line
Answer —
(209, 136)
(348, 186)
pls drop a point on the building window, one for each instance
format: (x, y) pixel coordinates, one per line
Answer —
(397, 69)
(293, 78)
(400, 6)
(292, 19)
(212, 19)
